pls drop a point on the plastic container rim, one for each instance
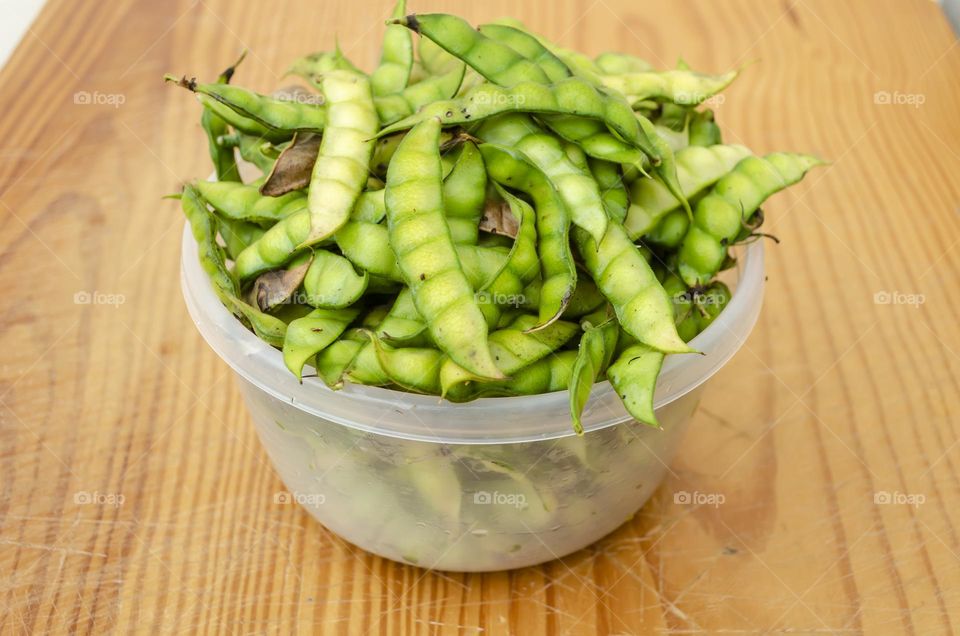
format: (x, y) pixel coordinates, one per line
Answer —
(486, 420)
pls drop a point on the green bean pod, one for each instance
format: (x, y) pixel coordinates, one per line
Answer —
(625, 278)
(543, 376)
(509, 167)
(309, 335)
(245, 203)
(464, 193)
(678, 86)
(461, 40)
(393, 108)
(340, 171)
(276, 117)
(597, 345)
(576, 187)
(403, 324)
(522, 263)
(513, 348)
(331, 281)
(528, 46)
(415, 369)
(254, 150)
(736, 196)
(396, 57)
(634, 378)
(333, 361)
(572, 96)
(203, 224)
(216, 128)
(370, 207)
(426, 255)
(697, 169)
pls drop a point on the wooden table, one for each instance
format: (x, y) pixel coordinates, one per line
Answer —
(846, 393)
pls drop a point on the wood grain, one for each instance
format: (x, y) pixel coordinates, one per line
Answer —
(835, 398)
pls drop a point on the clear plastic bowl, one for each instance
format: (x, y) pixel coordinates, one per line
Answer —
(493, 484)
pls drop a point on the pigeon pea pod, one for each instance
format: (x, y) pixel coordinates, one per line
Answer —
(529, 47)
(332, 283)
(464, 192)
(415, 369)
(565, 98)
(697, 169)
(426, 254)
(513, 348)
(396, 58)
(275, 117)
(489, 57)
(245, 203)
(392, 108)
(678, 86)
(634, 378)
(521, 264)
(403, 324)
(340, 171)
(577, 189)
(512, 169)
(703, 130)
(203, 225)
(238, 235)
(215, 127)
(309, 335)
(597, 345)
(612, 190)
(543, 376)
(625, 278)
(721, 214)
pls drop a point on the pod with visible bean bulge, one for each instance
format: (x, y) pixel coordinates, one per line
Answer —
(513, 348)
(464, 192)
(426, 255)
(720, 215)
(203, 225)
(331, 281)
(340, 172)
(697, 169)
(396, 58)
(307, 336)
(512, 169)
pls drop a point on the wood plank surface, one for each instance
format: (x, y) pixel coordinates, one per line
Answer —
(837, 398)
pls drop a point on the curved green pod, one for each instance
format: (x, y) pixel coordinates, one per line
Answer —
(511, 168)
(697, 169)
(241, 202)
(464, 193)
(426, 254)
(331, 281)
(274, 117)
(513, 348)
(626, 279)
(634, 378)
(307, 336)
(678, 86)
(720, 215)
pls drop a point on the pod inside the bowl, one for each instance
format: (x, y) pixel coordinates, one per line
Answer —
(466, 507)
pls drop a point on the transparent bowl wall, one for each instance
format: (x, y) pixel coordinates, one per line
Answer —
(493, 484)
